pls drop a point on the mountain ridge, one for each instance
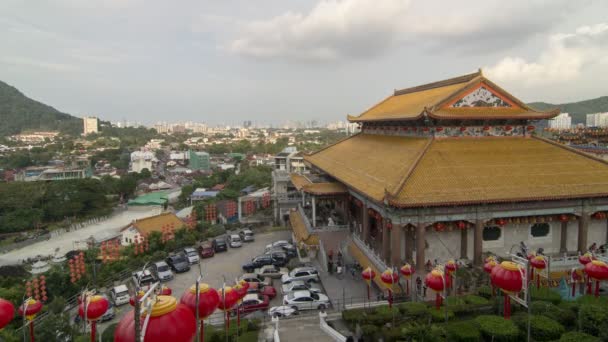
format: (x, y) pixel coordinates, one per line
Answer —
(577, 110)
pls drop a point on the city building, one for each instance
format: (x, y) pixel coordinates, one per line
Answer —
(48, 173)
(142, 160)
(562, 121)
(284, 193)
(199, 161)
(453, 170)
(91, 125)
(597, 120)
(290, 160)
(154, 144)
(143, 227)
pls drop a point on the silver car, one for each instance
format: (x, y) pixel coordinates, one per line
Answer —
(306, 300)
(163, 271)
(298, 285)
(308, 274)
(246, 235)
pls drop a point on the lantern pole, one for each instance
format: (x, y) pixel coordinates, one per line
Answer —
(24, 304)
(225, 312)
(148, 308)
(445, 293)
(197, 293)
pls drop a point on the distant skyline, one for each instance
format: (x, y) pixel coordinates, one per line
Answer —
(274, 61)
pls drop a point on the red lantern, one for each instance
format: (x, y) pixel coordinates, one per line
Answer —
(538, 263)
(389, 278)
(169, 321)
(507, 276)
(486, 128)
(597, 270)
(439, 129)
(368, 275)
(434, 280)
(208, 301)
(461, 225)
(425, 129)
(439, 226)
(451, 266)
(389, 225)
(228, 298)
(165, 291)
(140, 294)
(29, 309)
(96, 307)
(508, 128)
(407, 270)
(530, 128)
(585, 258)
(7, 311)
(462, 129)
(563, 218)
(489, 265)
(501, 222)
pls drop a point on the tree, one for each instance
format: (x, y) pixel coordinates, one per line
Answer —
(145, 173)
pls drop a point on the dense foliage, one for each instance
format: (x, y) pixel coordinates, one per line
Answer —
(19, 113)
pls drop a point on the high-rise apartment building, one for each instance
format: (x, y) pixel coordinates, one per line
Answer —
(91, 124)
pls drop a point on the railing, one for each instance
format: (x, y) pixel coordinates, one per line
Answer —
(323, 256)
(275, 334)
(375, 258)
(309, 227)
(335, 335)
(568, 261)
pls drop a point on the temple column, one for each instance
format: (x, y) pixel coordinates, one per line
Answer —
(420, 245)
(314, 212)
(386, 251)
(563, 242)
(396, 245)
(463, 242)
(409, 244)
(583, 227)
(478, 243)
(364, 224)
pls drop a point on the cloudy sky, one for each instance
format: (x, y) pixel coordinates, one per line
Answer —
(224, 61)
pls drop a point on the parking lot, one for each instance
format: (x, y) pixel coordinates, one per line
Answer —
(224, 265)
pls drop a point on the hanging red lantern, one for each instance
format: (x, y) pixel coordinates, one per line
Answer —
(461, 225)
(501, 222)
(563, 218)
(489, 265)
(7, 311)
(389, 278)
(439, 129)
(507, 276)
(598, 271)
(486, 128)
(585, 258)
(96, 306)
(462, 129)
(508, 128)
(30, 308)
(439, 226)
(451, 266)
(434, 280)
(530, 128)
(389, 225)
(165, 291)
(208, 302)
(407, 271)
(228, 298)
(425, 129)
(168, 321)
(368, 275)
(538, 264)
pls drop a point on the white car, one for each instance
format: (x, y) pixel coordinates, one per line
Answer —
(120, 295)
(234, 241)
(271, 271)
(192, 255)
(306, 300)
(278, 244)
(309, 274)
(246, 235)
(298, 285)
(254, 278)
(282, 311)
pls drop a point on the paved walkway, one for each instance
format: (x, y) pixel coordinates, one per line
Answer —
(302, 329)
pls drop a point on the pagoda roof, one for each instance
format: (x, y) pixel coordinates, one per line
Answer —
(303, 183)
(422, 172)
(436, 100)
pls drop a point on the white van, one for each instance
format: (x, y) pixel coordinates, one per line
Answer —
(120, 295)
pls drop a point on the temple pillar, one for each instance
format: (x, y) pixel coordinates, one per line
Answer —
(563, 242)
(583, 227)
(396, 245)
(420, 245)
(314, 211)
(386, 247)
(478, 243)
(463, 242)
(409, 244)
(364, 224)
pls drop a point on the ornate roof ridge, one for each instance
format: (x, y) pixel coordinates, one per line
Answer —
(437, 84)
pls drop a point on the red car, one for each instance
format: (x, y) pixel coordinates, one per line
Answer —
(262, 289)
(206, 249)
(253, 302)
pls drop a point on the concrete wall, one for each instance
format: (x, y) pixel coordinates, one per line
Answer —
(443, 245)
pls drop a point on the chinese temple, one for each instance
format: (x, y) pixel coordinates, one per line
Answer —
(454, 169)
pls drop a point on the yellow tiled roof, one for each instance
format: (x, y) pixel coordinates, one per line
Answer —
(329, 188)
(499, 169)
(299, 181)
(365, 262)
(370, 163)
(300, 231)
(156, 223)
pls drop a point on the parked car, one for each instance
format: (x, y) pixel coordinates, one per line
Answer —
(261, 288)
(279, 244)
(257, 262)
(306, 300)
(298, 285)
(110, 313)
(253, 302)
(206, 249)
(219, 245)
(308, 274)
(234, 241)
(254, 278)
(271, 271)
(120, 295)
(282, 311)
(279, 258)
(289, 251)
(178, 263)
(191, 254)
(246, 235)
(162, 271)
(144, 277)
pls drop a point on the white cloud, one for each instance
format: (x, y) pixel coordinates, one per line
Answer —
(565, 58)
(337, 29)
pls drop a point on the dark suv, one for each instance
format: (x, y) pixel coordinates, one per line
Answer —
(276, 259)
(179, 263)
(219, 245)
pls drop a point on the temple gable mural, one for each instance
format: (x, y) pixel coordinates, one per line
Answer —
(481, 97)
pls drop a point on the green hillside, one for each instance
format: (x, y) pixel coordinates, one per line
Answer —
(19, 113)
(577, 110)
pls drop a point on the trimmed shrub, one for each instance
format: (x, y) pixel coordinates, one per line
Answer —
(414, 310)
(439, 315)
(594, 320)
(381, 315)
(369, 331)
(545, 329)
(575, 336)
(463, 332)
(592, 300)
(565, 317)
(353, 316)
(545, 294)
(420, 332)
(249, 336)
(485, 291)
(497, 329)
(455, 300)
(108, 334)
(476, 300)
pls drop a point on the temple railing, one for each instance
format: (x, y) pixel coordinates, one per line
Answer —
(334, 228)
(373, 257)
(309, 226)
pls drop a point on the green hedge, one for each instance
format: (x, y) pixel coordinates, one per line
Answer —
(563, 315)
(476, 300)
(575, 336)
(485, 291)
(414, 310)
(439, 315)
(594, 320)
(462, 332)
(545, 329)
(497, 329)
(353, 316)
(369, 331)
(545, 294)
